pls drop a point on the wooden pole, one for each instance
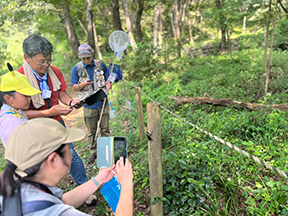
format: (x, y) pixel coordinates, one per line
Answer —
(140, 113)
(103, 107)
(155, 157)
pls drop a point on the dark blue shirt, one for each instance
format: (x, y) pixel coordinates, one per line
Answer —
(90, 70)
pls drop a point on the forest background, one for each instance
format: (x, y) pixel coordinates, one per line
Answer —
(233, 49)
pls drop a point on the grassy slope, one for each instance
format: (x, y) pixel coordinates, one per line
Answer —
(206, 177)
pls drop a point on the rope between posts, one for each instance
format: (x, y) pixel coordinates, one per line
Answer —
(252, 157)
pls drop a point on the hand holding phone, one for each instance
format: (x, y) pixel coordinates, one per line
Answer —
(120, 148)
(78, 105)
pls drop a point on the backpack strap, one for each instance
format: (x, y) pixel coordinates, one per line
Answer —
(12, 205)
(34, 206)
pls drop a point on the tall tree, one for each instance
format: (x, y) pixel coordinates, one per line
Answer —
(189, 24)
(223, 25)
(116, 16)
(89, 20)
(97, 48)
(66, 19)
(156, 24)
(138, 20)
(177, 27)
(172, 25)
(266, 74)
(128, 24)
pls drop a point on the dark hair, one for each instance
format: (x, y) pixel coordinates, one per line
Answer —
(2, 94)
(36, 44)
(9, 180)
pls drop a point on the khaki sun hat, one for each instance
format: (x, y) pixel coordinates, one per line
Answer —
(15, 81)
(34, 140)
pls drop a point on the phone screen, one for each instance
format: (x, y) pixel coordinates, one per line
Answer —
(120, 148)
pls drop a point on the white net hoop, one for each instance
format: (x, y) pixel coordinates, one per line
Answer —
(118, 41)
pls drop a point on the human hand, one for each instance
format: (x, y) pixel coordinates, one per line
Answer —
(76, 103)
(124, 172)
(59, 110)
(108, 85)
(105, 175)
(87, 82)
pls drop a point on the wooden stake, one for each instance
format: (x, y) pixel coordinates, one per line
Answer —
(140, 113)
(155, 157)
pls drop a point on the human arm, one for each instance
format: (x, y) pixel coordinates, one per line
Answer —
(82, 85)
(125, 176)
(78, 195)
(66, 99)
(75, 80)
(107, 83)
(53, 111)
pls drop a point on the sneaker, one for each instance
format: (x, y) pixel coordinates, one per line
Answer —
(92, 199)
(92, 158)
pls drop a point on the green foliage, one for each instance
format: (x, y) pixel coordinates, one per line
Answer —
(143, 62)
(184, 175)
(190, 157)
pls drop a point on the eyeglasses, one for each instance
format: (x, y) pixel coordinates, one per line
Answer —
(42, 63)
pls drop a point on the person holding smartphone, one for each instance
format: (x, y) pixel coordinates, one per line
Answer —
(88, 76)
(38, 158)
(50, 80)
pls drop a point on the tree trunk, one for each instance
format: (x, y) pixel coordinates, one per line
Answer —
(82, 26)
(265, 74)
(116, 16)
(96, 42)
(156, 23)
(89, 19)
(172, 25)
(225, 102)
(128, 24)
(66, 19)
(189, 25)
(177, 28)
(244, 25)
(283, 6)
(138, 20)
(180, 16)
(271, 49)
(223, 39)
(183, 16)
(160, 29)
(223, 28)
(229, 46)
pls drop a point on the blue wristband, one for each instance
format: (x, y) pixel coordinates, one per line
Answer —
(95, 182)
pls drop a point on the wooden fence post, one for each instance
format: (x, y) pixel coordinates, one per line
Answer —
(140, 113)
(155, 157)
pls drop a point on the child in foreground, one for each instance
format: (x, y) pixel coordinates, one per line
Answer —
(15, 95)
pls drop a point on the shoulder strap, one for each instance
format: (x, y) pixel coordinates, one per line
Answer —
(12, 205)
(34, 206)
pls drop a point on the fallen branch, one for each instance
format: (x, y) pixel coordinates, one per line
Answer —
(225, 102)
